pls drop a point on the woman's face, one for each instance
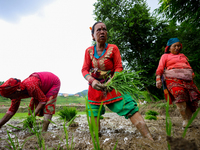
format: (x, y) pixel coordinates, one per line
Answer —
(175, 48)
(100, 33)
(15, 95)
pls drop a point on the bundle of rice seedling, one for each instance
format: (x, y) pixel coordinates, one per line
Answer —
(151, 112)
(128, 82)
(28, 122)
(150, 117)
(67, 113)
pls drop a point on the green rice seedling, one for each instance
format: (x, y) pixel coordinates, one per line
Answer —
(190, 121)
(15, 143)
(65, 134)
(150, 117)
(128, 82)
(67, 113)
(93, 126)
(28, 122)
(168, 122)
(94, 129)
(152, 113)
(101, 117)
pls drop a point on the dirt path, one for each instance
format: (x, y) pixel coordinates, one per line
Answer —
(113, 128)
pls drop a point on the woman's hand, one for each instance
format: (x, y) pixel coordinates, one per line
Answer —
(158, 84)
(97, 85)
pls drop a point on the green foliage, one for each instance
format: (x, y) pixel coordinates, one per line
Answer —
(128, 82)
(14, 142)
(150, 117)
(168, 122)
(28, 122)
(152, 113)
(181, 10)
(101, 117)
(67, 113)
(140, 37)
(93, 126)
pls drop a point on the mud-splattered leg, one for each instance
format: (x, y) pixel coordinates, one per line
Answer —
(185, 112)
(46, 122)
(140, 124)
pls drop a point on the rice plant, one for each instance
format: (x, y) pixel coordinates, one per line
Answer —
(93, 126)
(128, 82)
(168, 122)
(67, 113)
(150, 117)
(28, 122)
(14, 143)
(152, 112)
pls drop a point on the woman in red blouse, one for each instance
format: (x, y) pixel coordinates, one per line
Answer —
(178, 75)
(101, 61)
(43, 87)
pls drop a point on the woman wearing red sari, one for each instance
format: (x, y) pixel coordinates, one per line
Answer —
(103, 60)
(43, 87)
(178, 76)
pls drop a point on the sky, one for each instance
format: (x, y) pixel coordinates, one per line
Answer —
(47, 35)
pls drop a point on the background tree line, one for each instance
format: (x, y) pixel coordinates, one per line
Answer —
(142, 36)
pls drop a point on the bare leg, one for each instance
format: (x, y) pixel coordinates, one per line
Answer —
(185, 112)
(46, 122)
(138, 121)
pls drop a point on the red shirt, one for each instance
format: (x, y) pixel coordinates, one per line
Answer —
(111, 60)
(171, 61)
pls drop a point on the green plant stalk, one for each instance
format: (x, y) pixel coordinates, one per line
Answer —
(190, 121)
(12, 143)
(168, 122)
(92, 127)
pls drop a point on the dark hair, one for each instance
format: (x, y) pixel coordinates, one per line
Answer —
(94, 26)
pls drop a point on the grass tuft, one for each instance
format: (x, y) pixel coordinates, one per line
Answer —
(67, 113)
(150, 117)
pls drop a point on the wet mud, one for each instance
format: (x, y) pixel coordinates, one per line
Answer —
(114, 129)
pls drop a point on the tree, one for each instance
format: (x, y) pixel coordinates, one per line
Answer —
(140, 37)
(181, 10)
(1, 82)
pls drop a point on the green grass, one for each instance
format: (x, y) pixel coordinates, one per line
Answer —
(24, 115)
(61, 100)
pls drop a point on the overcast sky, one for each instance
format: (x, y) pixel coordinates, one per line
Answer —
(47, 35)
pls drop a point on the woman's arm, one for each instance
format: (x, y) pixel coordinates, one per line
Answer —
(39, 107)
(5, 119)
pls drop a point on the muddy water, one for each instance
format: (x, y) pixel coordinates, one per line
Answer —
(113, 128)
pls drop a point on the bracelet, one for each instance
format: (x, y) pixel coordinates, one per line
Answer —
(90, 80)
(158, 81)
(158, 78)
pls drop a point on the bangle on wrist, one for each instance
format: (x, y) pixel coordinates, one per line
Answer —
(90, 80)
(158, 78)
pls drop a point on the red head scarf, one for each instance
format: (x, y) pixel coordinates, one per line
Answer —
(10, 86)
